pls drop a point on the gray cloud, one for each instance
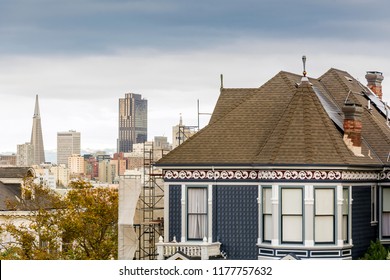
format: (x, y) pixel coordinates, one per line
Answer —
(73, 27)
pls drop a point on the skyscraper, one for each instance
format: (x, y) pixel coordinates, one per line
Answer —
(36, 136)
(68, 144)
(133, 122)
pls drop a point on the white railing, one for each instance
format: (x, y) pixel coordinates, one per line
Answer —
(204, 250)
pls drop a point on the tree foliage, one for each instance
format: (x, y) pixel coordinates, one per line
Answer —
(80, 225)
(91, 222)
(376, 251)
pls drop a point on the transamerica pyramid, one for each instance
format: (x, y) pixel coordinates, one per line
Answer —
(36, 136)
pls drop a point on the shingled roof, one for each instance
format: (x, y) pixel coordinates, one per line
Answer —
(284, 123)
(9, 193)
(15, 172)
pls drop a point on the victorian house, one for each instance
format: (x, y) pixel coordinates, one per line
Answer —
(297, 166)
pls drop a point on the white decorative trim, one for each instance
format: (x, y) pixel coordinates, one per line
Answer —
(291, 175)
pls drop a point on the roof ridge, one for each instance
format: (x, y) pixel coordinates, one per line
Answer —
(282, 73)
(302, 98)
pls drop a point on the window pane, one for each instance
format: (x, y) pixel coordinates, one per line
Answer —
(197, 213)
(267, 207)
(324, 201)
(386, 224)
(292, 228)
(197, 200)
(267, 224)
(323, 229)
(345, 201)
(292, 201)
(197, 225)
(345, 228)
(386, 199)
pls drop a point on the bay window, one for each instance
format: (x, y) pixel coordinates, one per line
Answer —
(324, 215)
(292, 215)
(267, 214)
(345, 223)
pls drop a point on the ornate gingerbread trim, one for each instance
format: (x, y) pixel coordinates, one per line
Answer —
(299, 175)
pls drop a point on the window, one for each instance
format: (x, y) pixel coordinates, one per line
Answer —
(196, 213)
(345, 214)
(373, 205)
(324, 218)
(292, 215)
(386, 212)
(267, 214)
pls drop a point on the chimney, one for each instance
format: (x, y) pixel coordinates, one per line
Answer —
(374, 82)
(353, 127)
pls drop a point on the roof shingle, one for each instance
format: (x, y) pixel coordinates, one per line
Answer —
(282, 124)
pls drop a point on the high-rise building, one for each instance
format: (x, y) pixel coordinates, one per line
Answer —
(68, 144)
(133, 121)
(24, 155)
(36, 136)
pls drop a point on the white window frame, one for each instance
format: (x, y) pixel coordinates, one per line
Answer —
(284, 213)
(345, 214)
(266, 214)
(203, 214)
(324, 215)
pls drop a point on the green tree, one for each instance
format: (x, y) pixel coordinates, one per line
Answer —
(376, 251)
(36, 235)
(80, 225)
(90, 223)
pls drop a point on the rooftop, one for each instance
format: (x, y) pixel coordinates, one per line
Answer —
(286, 122)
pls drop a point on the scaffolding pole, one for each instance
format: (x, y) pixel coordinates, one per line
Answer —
(151, 204)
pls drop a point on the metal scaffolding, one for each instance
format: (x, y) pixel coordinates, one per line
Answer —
(151, 205)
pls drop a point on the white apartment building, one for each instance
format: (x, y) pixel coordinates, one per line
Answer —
(61, 174)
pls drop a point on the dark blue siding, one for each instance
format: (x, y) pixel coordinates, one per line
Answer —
(175, 212)
(235, 220)
(362, 230)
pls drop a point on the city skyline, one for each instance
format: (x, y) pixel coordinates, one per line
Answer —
(81, 57)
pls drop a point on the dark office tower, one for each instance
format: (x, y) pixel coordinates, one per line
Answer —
(133, 122)
(36, 136)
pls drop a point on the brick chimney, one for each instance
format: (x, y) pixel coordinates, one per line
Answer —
(353, 127)
(374, 82)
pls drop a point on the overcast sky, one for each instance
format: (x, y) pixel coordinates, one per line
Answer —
(81, 56)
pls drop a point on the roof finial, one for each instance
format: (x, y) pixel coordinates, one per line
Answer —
(304, 65)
